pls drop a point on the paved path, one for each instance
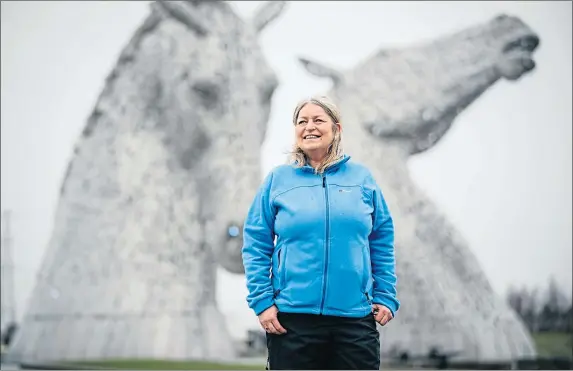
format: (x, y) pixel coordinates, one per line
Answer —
(6, 366)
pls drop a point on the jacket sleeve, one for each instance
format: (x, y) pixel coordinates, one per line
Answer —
(382, 251)
(258, 247)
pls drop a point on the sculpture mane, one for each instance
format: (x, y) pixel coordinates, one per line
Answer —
(401, 102)
(168, 159)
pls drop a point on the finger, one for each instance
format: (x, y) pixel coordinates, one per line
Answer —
(265, 325)
(387, 317)
(277, 325)
(271, 328)
(379, 315)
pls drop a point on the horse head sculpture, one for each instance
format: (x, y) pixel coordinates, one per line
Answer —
(164, 171)
(401, 102)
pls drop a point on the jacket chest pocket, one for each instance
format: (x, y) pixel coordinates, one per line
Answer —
(349, 210)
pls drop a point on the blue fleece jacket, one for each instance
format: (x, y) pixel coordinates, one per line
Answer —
(320, 243)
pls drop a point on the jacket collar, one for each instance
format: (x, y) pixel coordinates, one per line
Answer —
(332, 168)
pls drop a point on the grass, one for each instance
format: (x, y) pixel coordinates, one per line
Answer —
(154, 364)
(554, 344)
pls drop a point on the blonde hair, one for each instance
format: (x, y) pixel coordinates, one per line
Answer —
(334, 152)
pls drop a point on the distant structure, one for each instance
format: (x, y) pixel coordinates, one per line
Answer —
(8, 301)
(155, 194)
(256, 342)
(399, 103)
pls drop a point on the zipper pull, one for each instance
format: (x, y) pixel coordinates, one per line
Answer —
(323, 182)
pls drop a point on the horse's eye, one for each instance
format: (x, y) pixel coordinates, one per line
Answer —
(207, 92)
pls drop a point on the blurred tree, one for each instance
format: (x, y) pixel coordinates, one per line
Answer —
(525, 303)
(553, 316)
(552, 311)
(569, 320)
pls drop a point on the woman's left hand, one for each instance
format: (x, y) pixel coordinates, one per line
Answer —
(382, 315)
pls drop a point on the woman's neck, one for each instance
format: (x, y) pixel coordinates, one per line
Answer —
(316, 159)
(315, 164)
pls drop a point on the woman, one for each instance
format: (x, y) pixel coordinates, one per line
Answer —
(319, 291)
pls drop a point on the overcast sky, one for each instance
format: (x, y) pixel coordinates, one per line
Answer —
(502, 174)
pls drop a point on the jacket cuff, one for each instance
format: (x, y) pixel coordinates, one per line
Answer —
(263, 305)
(388, 303)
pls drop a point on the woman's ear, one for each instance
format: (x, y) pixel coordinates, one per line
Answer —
(339, 126)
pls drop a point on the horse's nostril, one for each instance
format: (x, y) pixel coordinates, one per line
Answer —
(529, 43)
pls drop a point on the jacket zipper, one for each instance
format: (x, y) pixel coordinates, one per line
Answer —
(327, 243)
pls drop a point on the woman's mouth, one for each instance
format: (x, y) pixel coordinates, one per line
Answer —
(311, 137)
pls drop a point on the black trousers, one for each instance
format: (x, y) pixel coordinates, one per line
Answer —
(324, 342)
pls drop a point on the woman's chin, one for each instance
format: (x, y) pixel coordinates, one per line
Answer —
(312, 150)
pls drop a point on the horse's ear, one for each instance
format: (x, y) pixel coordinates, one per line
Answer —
(183, 11)
(321, 70)
(267, 13)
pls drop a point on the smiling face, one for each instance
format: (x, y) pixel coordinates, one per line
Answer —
(315, 131)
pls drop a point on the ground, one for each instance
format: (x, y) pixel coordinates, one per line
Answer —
(549, 344)
(150, 364)
(554, 344)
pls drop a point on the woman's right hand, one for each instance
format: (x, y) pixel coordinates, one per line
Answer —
(270, 322)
